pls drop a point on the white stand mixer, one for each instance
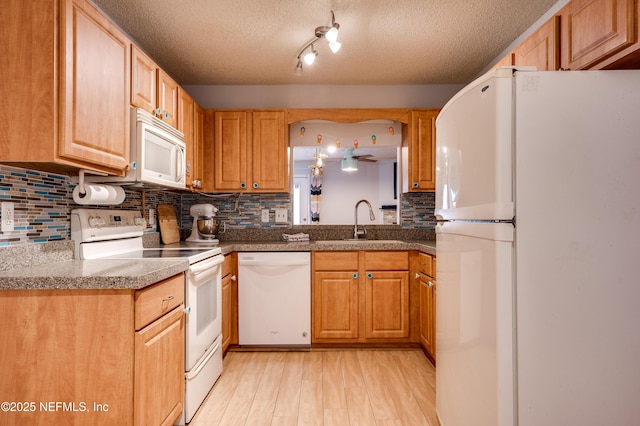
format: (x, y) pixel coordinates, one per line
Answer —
(204, 224)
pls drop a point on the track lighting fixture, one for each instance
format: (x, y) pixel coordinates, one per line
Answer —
(329, 33)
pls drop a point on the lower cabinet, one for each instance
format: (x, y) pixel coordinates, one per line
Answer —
(426, 277)
(361, 297)
(229, 302)
(81, 357)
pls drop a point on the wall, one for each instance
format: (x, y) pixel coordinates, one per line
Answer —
(323, 96)
(43, 203)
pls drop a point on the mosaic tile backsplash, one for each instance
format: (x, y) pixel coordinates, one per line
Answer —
(43, 202)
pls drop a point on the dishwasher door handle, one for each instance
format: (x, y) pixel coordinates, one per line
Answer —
(276, 264)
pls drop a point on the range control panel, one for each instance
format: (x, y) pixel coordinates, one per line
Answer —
(98, 225)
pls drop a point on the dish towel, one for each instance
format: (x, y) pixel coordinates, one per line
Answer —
(295, 237)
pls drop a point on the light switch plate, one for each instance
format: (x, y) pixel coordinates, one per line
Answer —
(7, 216)
(265, 215)
(281, 215)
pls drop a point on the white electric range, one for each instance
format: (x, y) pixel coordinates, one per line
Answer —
(117, 234)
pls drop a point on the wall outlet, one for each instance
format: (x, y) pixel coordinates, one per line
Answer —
(281, 215)
(152, 217)
(265, 215)
(7, 216)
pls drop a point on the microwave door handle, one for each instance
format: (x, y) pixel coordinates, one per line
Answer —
(180, 161)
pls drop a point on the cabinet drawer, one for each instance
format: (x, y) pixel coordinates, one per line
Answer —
(228, 266)
(156, 300)
(386, 261)
(335, 261)
(426, 264)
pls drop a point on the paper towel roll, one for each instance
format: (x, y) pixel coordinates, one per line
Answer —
(99, 194)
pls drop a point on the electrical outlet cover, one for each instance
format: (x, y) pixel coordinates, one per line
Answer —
(281, 215)
(265, 215)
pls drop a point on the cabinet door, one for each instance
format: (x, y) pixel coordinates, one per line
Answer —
(226, 312)
(387, 304)
(159, 370)
(143, 80)
(542, 48)
(186, 124)
(269, 151)
(230, 150)
(198, 148)
(593, 30)
(94, 95)
(335, 305)
(422, 151)
(428, 314)
(167, 98)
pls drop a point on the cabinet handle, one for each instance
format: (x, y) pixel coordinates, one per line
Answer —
(429, 284)
(159, 112)
(243, 185)
(416, 185)
(416, 275)
(166, 115)
(355, 276)
(233, 278)
(369, 275)
(255, 184)
(168, 298)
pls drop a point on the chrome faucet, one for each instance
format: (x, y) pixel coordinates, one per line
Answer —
(357, 233)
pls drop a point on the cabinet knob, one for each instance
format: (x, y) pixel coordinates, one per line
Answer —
(416, 275)
(243, 185)
(166, 115)
(416, 185)
(255, 184)
(369, 275)
(158, 112)
(429, 284)
(233, 278)
(355, 276)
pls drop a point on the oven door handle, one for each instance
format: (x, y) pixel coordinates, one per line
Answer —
(204, 268)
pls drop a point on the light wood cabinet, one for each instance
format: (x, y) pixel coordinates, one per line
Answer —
(119, 352)
(600, 34)
(360, 297)
(67, 85)
(250, 151)
(542, 48)
(229, 302)
(153, 89)
(419, 151)
(426, 276)
(190, 117)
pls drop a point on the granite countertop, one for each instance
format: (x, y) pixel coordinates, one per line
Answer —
(58, 269)
(425, 246)
(92, 274)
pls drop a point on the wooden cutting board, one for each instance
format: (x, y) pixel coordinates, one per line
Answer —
(168, 224)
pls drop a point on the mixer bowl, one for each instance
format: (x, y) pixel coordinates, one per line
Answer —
(207, 227)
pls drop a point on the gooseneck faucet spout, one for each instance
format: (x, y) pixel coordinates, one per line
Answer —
(357, 233)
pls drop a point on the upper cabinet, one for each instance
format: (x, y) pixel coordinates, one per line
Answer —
(419, 151)
(68, 90)
(542, 48)
(250, 151)
(190, 119)
(152, 89)
(599, 34)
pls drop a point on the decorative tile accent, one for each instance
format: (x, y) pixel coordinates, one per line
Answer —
(44, 202)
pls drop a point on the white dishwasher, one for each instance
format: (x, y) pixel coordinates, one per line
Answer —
(274, 299)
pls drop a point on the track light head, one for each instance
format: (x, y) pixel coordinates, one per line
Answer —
(329, 33)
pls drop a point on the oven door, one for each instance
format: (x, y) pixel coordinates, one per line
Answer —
(203, 294)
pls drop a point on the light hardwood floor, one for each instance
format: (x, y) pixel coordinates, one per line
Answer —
(333, 387)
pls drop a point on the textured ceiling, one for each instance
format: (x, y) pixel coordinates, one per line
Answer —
(384, 42)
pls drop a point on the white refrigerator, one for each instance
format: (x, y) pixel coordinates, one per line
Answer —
(538, 248)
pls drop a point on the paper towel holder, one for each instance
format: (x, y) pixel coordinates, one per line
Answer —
(81, 178)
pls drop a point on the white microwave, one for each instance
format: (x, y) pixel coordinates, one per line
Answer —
(157, 156)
